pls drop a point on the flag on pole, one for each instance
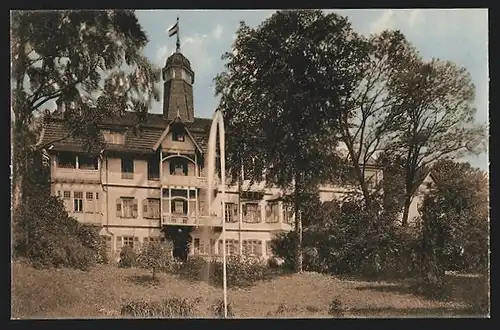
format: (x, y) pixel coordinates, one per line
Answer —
(173, 30)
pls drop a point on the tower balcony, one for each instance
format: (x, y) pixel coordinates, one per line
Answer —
(190, 220)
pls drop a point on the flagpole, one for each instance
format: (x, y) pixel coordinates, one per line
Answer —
(178, 43)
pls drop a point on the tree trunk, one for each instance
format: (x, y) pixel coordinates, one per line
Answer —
(406, 210)
(298, 226)
(154, 273)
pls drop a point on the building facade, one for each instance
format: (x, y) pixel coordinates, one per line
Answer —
(149, 181)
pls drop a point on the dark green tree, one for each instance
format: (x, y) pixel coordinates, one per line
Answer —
(435, 118)
(276, 98)
(90, 61)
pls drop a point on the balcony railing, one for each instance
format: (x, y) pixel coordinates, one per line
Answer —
(186, 180)
(193, 220)
(76, 174)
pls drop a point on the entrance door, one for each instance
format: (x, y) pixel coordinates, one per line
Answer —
(181, 248)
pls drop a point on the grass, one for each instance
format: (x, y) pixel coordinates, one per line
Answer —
(100, 293)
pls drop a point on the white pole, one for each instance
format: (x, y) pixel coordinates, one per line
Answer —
(223, 179)
(218, 121)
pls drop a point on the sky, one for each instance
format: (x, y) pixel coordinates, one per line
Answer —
(458, 35)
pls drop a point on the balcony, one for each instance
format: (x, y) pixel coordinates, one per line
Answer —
(76, 175)
(184, 220)
(186, 181)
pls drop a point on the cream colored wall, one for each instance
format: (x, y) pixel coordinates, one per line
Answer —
(168, 144)
(140, 194)
(84, 217)
(114, 175)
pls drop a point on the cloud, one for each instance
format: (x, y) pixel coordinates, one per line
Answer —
(384, 22)
(217, 32)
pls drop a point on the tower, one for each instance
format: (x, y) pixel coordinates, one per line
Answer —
(178, 80)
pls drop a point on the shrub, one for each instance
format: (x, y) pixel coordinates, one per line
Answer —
(283, 246)
(335, 308)
(128, 257)
(46, 235)
(156, 256)
(242, 271)
(218, 308)
(171, 307)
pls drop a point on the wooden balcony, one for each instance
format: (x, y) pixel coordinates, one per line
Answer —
(193, 220)
(186, 181)
(75, 175)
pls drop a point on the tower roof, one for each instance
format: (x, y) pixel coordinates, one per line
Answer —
(177, 59)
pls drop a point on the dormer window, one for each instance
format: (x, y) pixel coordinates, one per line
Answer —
(114, 137)
(178, 135)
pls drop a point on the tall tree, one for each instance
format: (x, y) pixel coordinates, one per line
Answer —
(91, 62)
(435, 118)
(275, 95)
(367, 122)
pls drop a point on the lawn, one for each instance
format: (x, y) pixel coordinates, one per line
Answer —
(67, 293)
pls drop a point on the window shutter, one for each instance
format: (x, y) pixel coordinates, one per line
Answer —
(118, 207)
(145, 208)
(244, 209)
(235, 210)
(135, 208)
(268, 210)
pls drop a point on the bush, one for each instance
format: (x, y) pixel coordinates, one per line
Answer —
(335, 308)
(156, 256)
(218, 308)
(242, 271)
(128, 257)
(172, 307)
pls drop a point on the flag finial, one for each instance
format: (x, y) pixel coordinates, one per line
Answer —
(178, 43)
(175, 30)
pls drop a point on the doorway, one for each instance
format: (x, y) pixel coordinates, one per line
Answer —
(181, 240)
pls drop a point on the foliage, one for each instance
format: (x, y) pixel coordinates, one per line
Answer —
(156, 256)
(275, 95)
(435, 118)
(335, 308)
(172, 307)
(218, 308)
(128, 257)
(242, 271)
(353, 241)
(367, 122)
(90, 61)
(45, 233)
(456, 211)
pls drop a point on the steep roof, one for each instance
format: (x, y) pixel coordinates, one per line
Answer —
(150, 128)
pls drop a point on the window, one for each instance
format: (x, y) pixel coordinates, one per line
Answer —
(131, 241)
(272, 212)
(66, 160)
(178, 207)
(113, 137)
(151, 208)
(127, 167)
(88, 163)
(66, 194)
(178, 167)
(252, 247)
(89, 201)
(178, 135)
(154, 167)
(126, 207)
(232, 247)
(200, 247)
(287, 213)
(78, 202)
(269, 251)
(89, 195)
(251, 213)
(231, 212)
